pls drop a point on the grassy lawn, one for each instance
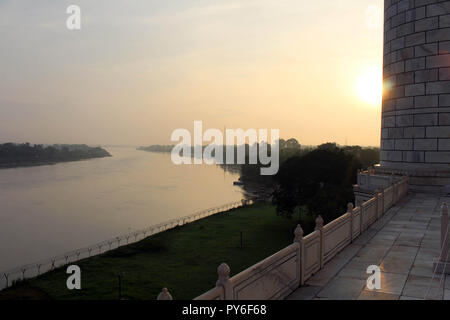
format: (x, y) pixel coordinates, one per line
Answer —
(183, 259)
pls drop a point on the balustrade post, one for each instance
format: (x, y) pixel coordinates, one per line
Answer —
(298, 237)
(377, 206)
(382, 200)
(224, 281)
(164, 295)
(361, 214)
(319, 227)
(350, 212)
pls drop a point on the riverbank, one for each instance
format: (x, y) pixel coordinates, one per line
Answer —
(46, 163)
(26, 155)
(183, 259)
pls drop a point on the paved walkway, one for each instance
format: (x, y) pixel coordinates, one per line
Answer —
(403, 244)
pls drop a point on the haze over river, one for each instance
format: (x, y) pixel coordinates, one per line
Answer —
(48, 210)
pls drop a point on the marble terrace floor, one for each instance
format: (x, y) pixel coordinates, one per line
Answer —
(403, 243)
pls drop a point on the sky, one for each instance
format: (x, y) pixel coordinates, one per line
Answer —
(139, 69)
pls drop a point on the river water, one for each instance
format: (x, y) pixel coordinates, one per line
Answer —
(48, 210)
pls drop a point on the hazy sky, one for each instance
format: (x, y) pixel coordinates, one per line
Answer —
(138, 69)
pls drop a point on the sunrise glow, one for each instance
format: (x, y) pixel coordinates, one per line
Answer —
(369, 86)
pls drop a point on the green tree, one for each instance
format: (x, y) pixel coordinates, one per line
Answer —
(320, 181)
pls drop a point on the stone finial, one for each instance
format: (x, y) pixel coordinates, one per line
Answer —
(224, 274)
(164, 295)
(444, 209)
(298, 234)
(350, 207)
(319, 222)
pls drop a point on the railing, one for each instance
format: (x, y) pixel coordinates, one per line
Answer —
(272, 278)
(441, 265)
(280, 274)
(34, 269)
(370, 178)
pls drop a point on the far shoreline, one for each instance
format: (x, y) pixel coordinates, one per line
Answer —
(45, 163)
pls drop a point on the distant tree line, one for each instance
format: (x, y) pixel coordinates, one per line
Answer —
(25, 154)
(289, 147)
(157, 148)
(312, 180)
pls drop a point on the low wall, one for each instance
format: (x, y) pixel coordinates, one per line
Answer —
(280, 274)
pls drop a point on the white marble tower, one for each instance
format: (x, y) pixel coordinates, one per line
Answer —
(415, 134)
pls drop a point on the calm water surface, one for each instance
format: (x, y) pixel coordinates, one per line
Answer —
(48, 210)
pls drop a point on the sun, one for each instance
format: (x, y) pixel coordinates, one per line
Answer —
(369, 86)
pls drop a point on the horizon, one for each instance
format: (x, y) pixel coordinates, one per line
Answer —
(174, 144)
(136, 71)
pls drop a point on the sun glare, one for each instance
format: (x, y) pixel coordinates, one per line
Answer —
(369, 86)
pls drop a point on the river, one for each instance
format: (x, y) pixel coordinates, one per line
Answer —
(48, 210)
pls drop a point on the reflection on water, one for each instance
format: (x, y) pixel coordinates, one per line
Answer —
(48, 210)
